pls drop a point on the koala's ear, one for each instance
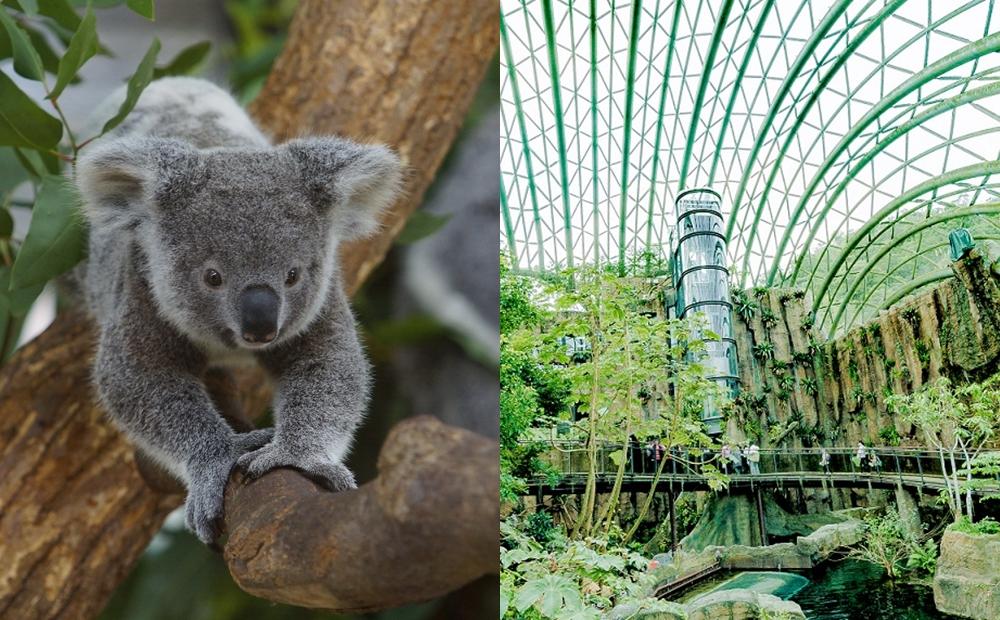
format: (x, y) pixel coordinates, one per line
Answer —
(352, 182)
(122, 180)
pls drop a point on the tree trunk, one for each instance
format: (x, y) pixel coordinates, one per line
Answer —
(75, 514)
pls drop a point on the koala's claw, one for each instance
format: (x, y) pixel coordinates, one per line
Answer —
(203, 510)
(253, 440)
(332, 476)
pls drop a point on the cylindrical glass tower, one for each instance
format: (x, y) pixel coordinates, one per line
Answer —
(702, 280)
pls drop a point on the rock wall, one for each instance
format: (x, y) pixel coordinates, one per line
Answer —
(801, 389)
(967, 581)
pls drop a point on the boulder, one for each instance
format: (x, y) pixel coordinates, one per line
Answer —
(780, 556)
(826, 539)
(648, 609)
(741, 605)
(967, 580)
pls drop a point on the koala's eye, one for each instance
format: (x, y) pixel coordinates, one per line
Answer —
(292, 277)
(213, 278)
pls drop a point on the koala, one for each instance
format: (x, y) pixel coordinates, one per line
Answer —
(210, 246)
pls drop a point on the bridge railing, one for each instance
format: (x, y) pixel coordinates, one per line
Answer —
(909, 465)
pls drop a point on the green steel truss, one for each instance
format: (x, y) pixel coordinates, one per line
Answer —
(845, 137)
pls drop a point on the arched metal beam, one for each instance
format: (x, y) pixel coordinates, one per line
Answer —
(800, 115)
(793, 73)
(627, 138)
(987, 209)
(550, 45)
(957, 58)
(922, 34)
(903, 291)
(940, 108)
(659, 120)
(522, 127)
(953, 176)
(706, 74)
(508, 226)
(909, 259)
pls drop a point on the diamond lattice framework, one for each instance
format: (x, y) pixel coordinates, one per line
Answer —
(845, 137)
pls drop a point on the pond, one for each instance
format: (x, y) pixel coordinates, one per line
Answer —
(853, 589)
(848, 590)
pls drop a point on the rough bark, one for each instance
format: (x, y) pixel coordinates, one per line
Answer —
(75, 513)
(425, 526)
(401, 72)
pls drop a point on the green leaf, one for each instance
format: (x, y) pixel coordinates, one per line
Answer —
(420, 225)
(136, 84)
(186, 62)
(25, 6)
(549, 594)
(616, 457)
(16, 302)
(49, 58)
(61, 11)
(27, 63)
(82, 48)
(6, 224)
(38, 164)
(12, 173)
(142, 7)
(56, 237)
(22, 122)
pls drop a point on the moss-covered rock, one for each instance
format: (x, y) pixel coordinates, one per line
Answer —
(741, 605)
(967, 581)
(648, 609)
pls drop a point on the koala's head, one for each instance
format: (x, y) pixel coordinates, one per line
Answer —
(241, 244)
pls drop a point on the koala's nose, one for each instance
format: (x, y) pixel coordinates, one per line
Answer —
(259, 314)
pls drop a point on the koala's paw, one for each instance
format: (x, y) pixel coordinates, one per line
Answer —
(204, 506)
(331, 475)
(253, 440)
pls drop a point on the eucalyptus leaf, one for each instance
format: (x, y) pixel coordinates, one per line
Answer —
(82, 48)
(22, 122)
(12, 173)
(420, 225)
(25, 6)
(16, 302)
(61, 11)
(27, 62)
(6, 224)
(38, 164)
(48, 56)
(56, 237)
(186, 62)
(142, 7)
(136, 84)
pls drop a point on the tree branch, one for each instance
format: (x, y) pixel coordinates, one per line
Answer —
(425, 526)
(75, 513)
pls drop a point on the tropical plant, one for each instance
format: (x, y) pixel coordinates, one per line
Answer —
(764, 350)
(886, 543)
(957, 423)
(629, 352)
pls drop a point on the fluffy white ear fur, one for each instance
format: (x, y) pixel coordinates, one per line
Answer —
(119, 179)
(353, 182)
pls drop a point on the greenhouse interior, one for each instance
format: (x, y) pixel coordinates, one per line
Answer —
(750, 309)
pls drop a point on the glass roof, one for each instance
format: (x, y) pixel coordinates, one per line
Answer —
(813, 120)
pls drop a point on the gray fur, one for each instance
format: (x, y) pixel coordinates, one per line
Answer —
(189, 184)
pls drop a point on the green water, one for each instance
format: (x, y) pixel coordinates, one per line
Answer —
(782, 585)
(858, 590)
(848, 590)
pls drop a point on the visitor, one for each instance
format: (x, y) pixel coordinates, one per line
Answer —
(737, 459)
(875, 463)
(753, 457)
(824, 460)
(862, 454)
(656, 453)
(726, 455)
